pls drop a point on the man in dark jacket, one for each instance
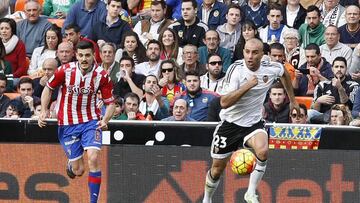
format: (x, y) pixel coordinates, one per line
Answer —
(4, 100)
(213, 13)
(277, 108)
(110, 27)
(190, 30)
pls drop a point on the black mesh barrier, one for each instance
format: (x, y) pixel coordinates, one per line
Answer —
(177, 174)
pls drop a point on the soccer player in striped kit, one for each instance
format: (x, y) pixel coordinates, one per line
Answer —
(79, 119)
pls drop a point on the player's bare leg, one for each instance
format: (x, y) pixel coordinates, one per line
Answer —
(259, 142)
(94, 180)
(213, 178)
(75, 168)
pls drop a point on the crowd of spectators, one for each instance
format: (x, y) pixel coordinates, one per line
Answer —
(167, 59)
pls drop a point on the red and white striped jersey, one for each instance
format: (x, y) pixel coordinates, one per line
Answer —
(76, 102)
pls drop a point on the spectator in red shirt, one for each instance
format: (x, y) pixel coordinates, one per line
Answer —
(14, 47)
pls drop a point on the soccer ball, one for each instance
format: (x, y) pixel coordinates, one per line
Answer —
(242, 162)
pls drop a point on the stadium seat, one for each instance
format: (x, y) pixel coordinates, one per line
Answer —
(12, 95)
(58, 22)
(307, 101)
(20, 4)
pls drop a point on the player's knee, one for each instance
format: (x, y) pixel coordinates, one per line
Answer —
(93, 160)
(262, 152)
(217, 170)
(78, 169)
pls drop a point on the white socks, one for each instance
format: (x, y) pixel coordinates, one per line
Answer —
(210, 188)
(256, 176)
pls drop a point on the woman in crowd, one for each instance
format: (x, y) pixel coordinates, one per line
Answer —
(169, 80)
(5, 68)
(131, 46)
(170, 46)
(53, 38)
(248, 31)
(298, 117)
(292, 49)
(14, 47)
(340, 115)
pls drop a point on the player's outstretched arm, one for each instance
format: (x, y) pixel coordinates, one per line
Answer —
(231, 98)
(286, 81)
(110, 108)
(45, 100)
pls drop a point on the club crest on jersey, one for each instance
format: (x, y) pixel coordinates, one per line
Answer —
(74, 89)
(265, 78)
(181, 33)
(205, 100)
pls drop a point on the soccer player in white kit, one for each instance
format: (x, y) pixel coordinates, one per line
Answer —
(244, 90)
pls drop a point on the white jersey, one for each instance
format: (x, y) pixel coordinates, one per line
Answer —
(247, 111)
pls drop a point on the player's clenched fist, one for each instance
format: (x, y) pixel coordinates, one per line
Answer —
(253, 81)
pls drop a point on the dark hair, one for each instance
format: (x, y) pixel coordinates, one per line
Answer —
(133, 96)
(212, 30)
(58, 33)
(73, 26)
(16, 106)
(109, 1)
(193, 2)
(119, 100)
(313, 8)
(84, 45)
(175, 66)
(159, 2)
(154, 41)
(277, 46)
(235, 6)
(313, 46)
(241, 42)
(12, 24)
(302, 106)
(3, 76)
(211, 55)
(340, 58)
(24, 80)
(127, 58)
(193, 73)
(151, 75)
(2, 51)
(274, 6)
(139, 50)
(175, 46)
(277, 85)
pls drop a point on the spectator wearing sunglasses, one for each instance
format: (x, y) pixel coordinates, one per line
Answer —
(212, 42)
(169, 80)
(213, 78)
(298, 118)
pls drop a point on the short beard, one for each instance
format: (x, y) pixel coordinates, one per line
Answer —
(155, 59)
(193, 93)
